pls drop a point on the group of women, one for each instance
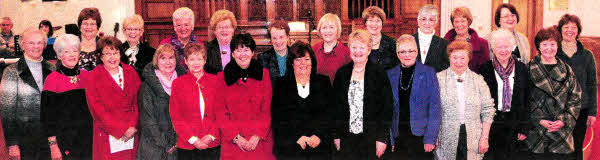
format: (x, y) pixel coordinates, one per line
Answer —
(459, 97)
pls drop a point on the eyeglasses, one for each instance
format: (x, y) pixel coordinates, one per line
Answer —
(224, 27)
(377, 21)
(133, 29)
(406, 52)
(5, 24)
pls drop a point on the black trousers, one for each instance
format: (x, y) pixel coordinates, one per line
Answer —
(356, 147)
(461, 150)
(550, 156)
(579, 133)
(206, 154)
(407, 146)
(503, 140)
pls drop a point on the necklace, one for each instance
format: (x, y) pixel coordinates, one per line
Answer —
(74, 79)
(409, 82)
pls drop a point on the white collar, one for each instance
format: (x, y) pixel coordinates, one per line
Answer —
(424, 35)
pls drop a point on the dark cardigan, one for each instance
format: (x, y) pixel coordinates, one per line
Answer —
(293, 116)
(518, 116)
(584, 66)
(385, 56)
(378, 103)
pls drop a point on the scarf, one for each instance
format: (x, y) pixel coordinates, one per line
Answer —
(166, 84)
(504, 74)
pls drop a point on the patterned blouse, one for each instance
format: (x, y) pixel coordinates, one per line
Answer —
(355, 100)
(89, 61)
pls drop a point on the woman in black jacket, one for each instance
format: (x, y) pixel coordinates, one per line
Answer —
(363, 102)
(299, 108)
(508, 79)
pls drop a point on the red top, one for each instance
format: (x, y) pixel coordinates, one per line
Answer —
(328, 64)
(114, 109)
(57, 82)
(185, 109)
(247, 113)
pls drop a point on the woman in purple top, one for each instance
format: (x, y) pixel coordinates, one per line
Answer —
(461, 19)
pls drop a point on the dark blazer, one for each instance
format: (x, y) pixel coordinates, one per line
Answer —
(213, 57)
(269, 61)
(425, 104)
(519, 111)
(144, 56)
(386, 54)
(157, 133)
(293, 116)
(436, 56)
(584, 66)
(377, 103)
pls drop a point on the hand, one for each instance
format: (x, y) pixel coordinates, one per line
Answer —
(314, 141)
(521, 137)
(253, 142)
(241, 143)
(55, 153)
(483, 145)
(170, 151)
(200, 145)
(546, 124)
(591, 120)
(207, 139)
(128, 134)
(337, 144)
(380, 148)
(14, 152)
(557, 124)
(302, 142)
(428, 147)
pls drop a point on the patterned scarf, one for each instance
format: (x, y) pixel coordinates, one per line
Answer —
(504, 74)
(178, 46)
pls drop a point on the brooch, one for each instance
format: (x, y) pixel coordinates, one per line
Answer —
(74, 79)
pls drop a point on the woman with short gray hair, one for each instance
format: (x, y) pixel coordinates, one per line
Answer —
(65, 114)
(183, 24)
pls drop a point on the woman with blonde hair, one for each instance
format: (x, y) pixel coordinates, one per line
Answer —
(137, 53)
(331, 53)
(222, 26)
(363, 99)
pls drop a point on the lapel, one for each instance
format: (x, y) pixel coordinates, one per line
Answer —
(25, 74)
(416, 35)
(217, 57)
(113, 84)
(419, 77)
(435, 41)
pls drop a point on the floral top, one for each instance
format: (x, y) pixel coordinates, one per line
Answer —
(88, 61)
(355, 100)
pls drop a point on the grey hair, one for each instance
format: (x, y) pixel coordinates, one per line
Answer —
(31, 31)
(65, 41)
(502, 35)
(183, 13)
(428, 9)
(7, 18)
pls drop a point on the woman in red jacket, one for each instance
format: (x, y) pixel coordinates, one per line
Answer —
(246, 118)
(193, 102)
(112, 89)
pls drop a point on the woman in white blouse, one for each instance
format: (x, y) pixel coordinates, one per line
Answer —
(363, 99)
(467, 108)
